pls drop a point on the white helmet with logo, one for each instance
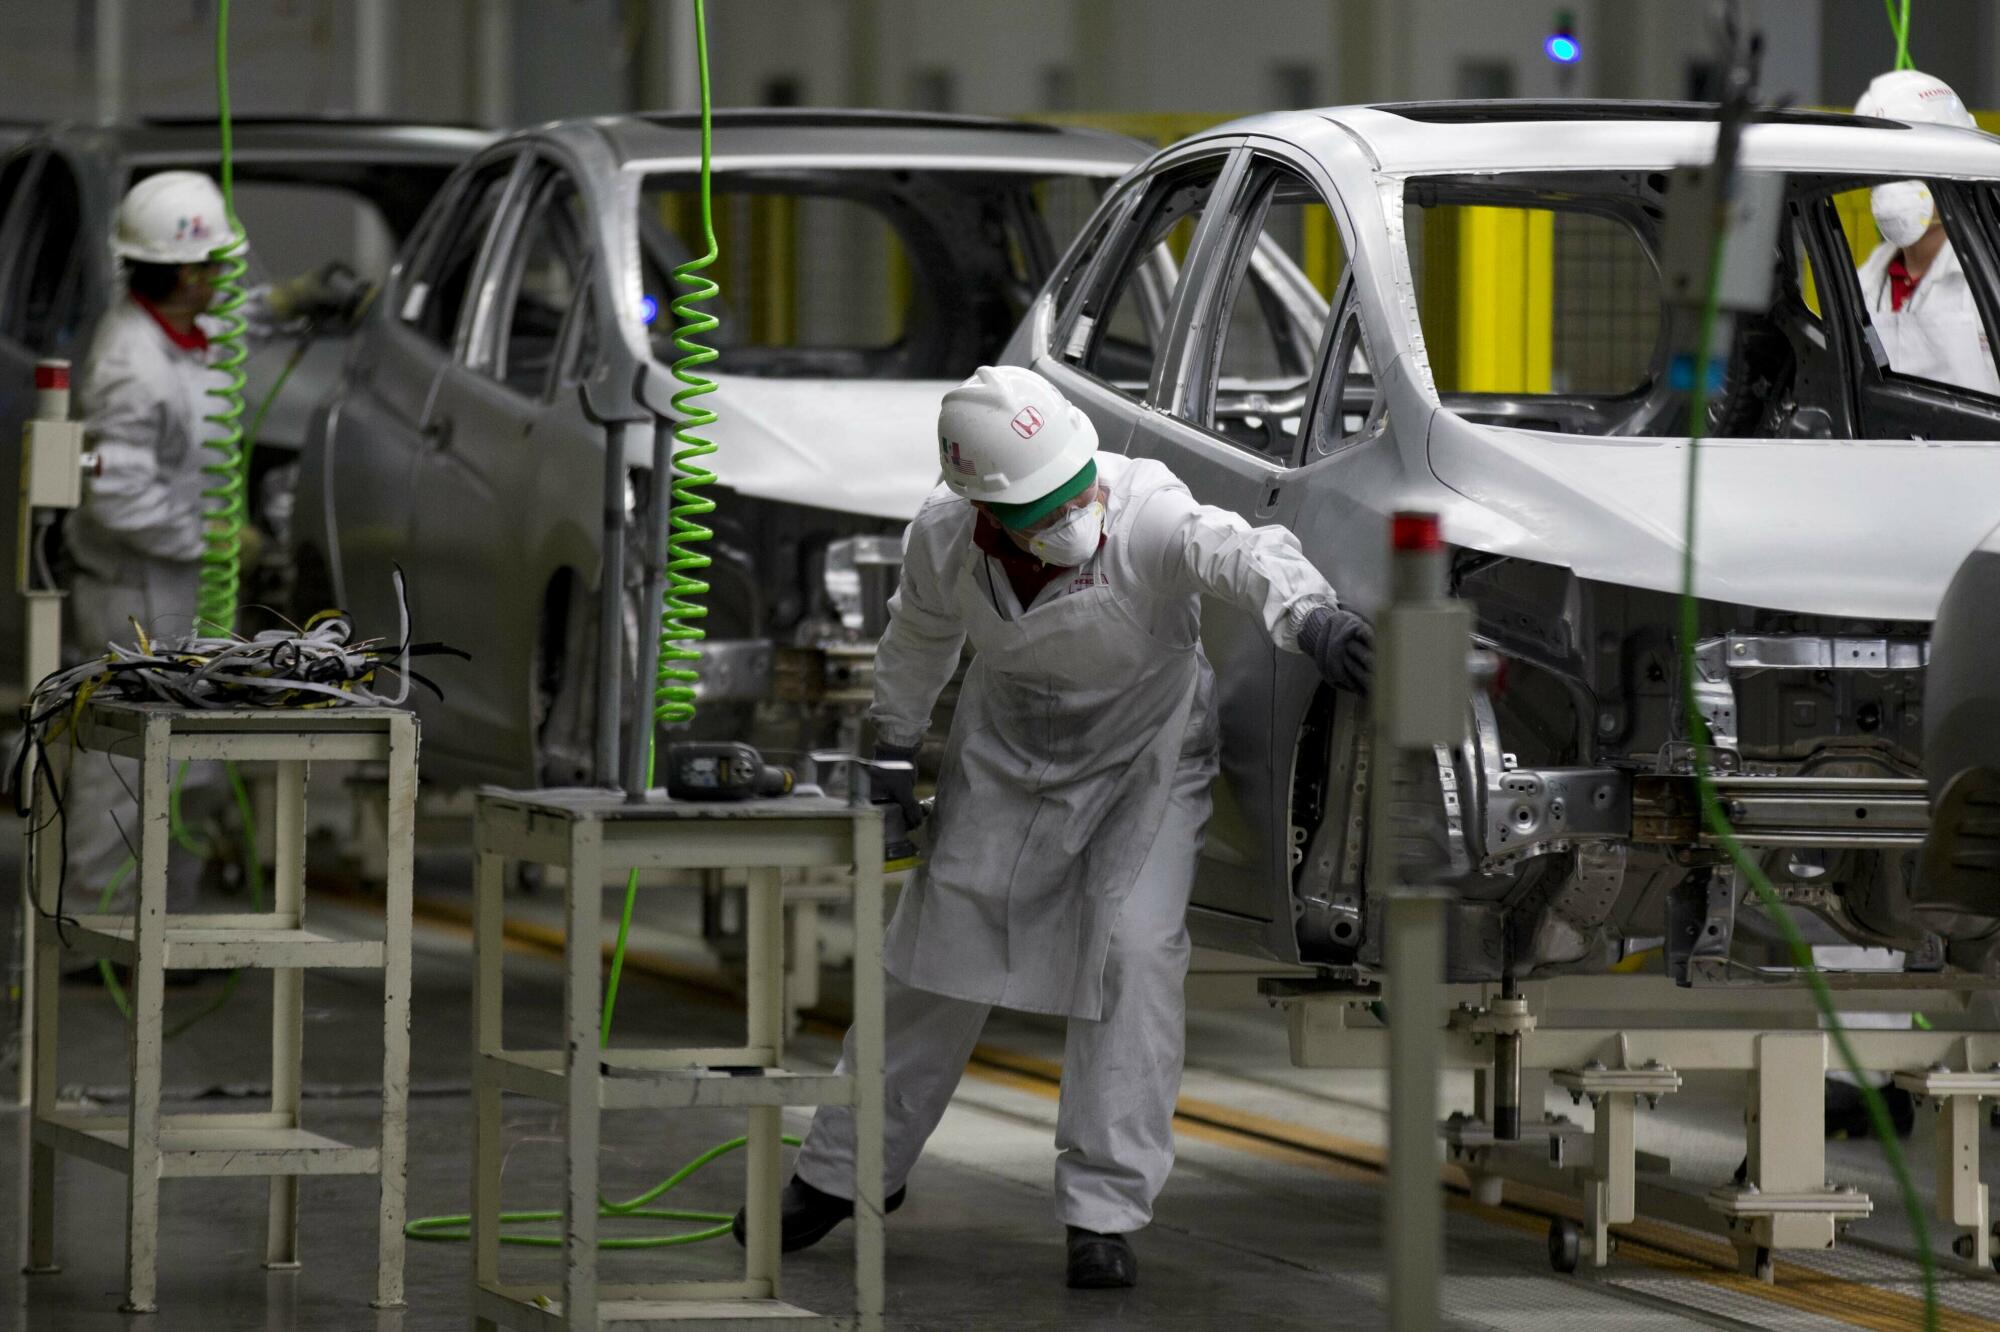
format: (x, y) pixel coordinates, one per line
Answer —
(1911, 94)
(1008, 438)
(174, 217)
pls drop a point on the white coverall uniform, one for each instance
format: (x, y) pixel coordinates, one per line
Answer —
(136, 540)
(1069, 815)
(1937, 335)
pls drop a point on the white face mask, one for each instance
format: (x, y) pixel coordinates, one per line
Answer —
(1072, 540)
(1903, 211)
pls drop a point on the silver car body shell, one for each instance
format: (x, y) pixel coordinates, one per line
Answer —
(372, 492)
(1868, 529)
(103, 159)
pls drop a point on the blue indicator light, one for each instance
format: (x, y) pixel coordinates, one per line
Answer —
(649, 309)
(1563, 49)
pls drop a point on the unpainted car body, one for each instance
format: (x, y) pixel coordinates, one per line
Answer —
(520, 353)
(1835, 505)
(298, 183)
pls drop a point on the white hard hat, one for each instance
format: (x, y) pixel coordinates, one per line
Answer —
(1911, 94)
(1008, 438)
(175, 217)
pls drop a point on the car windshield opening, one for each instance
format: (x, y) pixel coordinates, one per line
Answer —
(861, 274)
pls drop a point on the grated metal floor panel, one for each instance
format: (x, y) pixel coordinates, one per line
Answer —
(1967, 1292)
(1545, 1304)
(1748, 1310)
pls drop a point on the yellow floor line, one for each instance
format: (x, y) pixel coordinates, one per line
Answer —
(1663, 1247)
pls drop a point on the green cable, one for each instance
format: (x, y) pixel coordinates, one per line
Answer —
(222, 534)
(1899, 25)
(674, 693)
(439, 1229)
(1718, 820)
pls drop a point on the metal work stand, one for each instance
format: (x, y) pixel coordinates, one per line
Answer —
(594, 834)
(147, 1144)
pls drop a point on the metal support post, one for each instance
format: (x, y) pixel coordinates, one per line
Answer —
(110, 89)
(1961, 1198)
(53, 462)
(149, 926)
(1423, 689)
(288, 995)
(1413, 955)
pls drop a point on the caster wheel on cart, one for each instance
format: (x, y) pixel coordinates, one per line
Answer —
(1565, 1244)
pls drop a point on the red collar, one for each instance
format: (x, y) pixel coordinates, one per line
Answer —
(1028, 574)
(196, 341)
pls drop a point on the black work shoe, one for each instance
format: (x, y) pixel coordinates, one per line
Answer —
(1100, 1262)
(806, 1214)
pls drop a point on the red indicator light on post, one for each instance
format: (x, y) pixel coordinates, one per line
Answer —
(51, 375)
(1414, 532)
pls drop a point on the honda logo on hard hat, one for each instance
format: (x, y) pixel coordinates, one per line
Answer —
(1026, 422)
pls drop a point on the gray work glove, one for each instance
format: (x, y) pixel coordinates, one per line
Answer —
(1342, 645)
(897, 786)
(331, 291)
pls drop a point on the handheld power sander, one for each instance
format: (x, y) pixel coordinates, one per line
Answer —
(727, 770)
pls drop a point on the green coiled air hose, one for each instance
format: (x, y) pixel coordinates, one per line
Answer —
(674, 686)
(222, 534)
(674, 693)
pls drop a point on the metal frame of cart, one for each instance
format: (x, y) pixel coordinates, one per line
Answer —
(594, 834)
(145, 1143)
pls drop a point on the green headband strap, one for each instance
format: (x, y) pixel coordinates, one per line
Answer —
(1018, 516)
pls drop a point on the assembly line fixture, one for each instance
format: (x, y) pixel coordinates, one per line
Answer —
(592, 835)
(145, 1143)
(1600, 1038)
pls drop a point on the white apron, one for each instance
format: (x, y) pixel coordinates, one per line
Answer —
(1057, 775)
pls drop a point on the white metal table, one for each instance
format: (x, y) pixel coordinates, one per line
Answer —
(145, 1143)
(593, 834)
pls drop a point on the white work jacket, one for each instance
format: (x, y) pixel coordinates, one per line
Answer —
(1937, 335)
(144, 400)
(1076, 716)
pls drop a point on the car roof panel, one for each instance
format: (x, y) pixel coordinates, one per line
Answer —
(806, 135)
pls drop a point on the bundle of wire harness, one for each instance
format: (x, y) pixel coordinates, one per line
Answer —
(320, 664)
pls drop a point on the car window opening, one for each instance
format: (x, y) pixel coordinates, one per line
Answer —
(863, 274)
(1539, 299)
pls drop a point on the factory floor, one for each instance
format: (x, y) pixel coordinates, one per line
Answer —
(1273, 1217)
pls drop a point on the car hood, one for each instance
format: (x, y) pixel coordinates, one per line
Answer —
(1869, 529)
(854, 446)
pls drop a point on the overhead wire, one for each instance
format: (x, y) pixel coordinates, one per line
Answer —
(1899, 26)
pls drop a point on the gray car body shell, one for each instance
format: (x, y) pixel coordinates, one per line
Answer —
(380, 486)
(102, 160)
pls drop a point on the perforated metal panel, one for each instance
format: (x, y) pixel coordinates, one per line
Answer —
(1733, 1305)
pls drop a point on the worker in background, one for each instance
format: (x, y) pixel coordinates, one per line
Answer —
(1916, 291)
(1073, 791)
(146, 386)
